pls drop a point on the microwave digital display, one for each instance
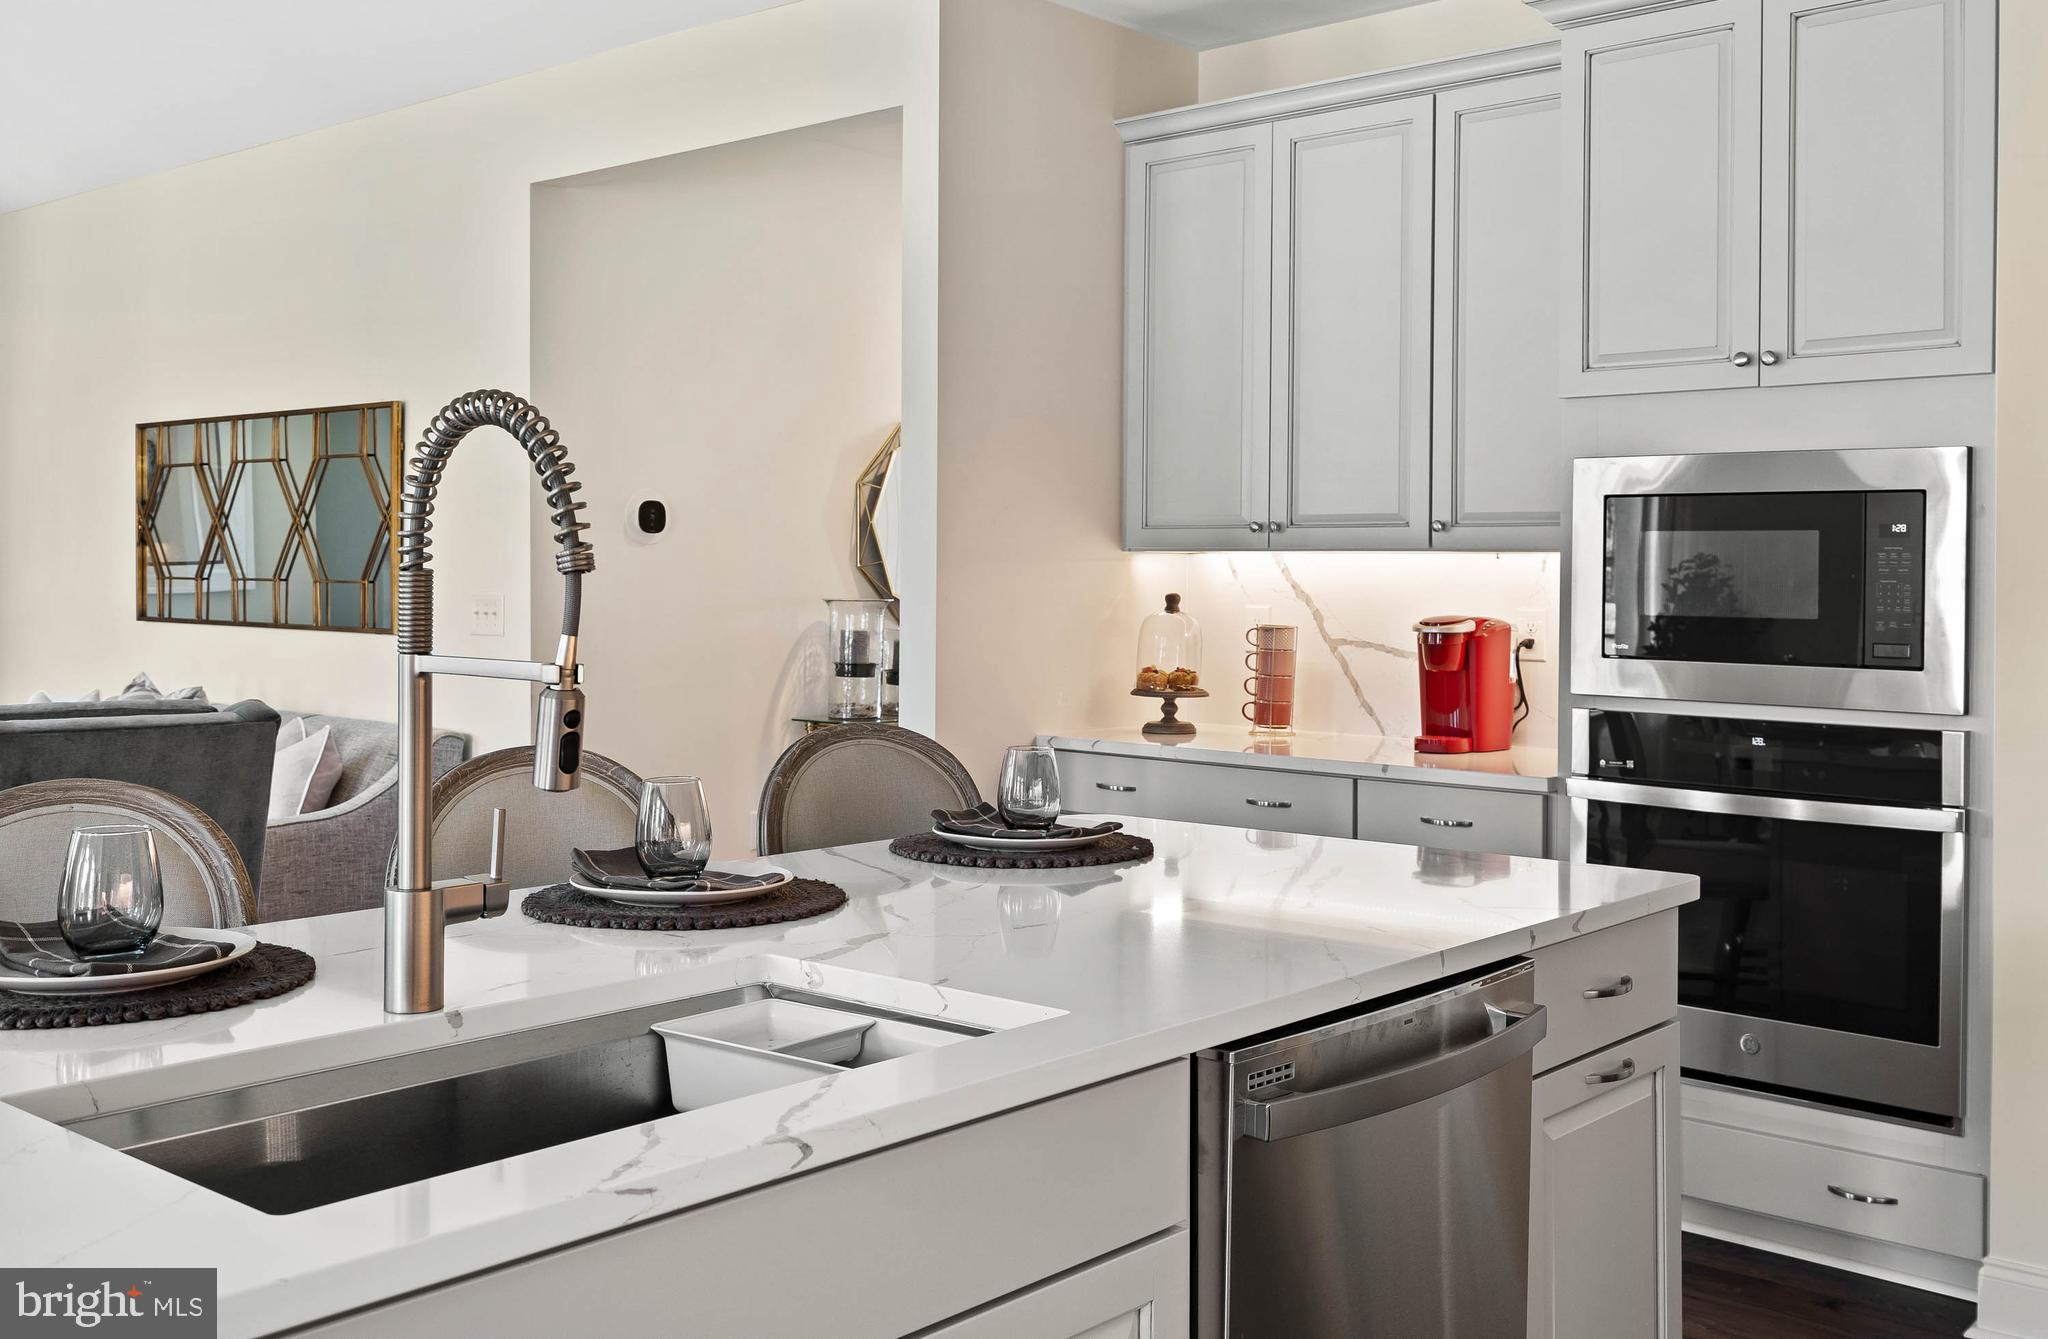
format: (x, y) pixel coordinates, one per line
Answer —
(1823, 579)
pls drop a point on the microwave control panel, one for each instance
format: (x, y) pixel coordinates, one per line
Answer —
(1894, 579)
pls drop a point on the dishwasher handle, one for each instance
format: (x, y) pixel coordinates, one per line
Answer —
(1377, 1094)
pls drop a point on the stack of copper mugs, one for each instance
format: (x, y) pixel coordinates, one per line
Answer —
(1271, 683)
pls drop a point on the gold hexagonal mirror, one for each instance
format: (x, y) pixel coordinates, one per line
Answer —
(279, 520)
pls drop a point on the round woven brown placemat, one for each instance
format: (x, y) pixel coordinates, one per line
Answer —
(1114, 849)
(264, 971)
(796, 900)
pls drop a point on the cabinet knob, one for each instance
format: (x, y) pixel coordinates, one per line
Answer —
(1256, 527)
(1770, 358)
(1439, 527)
(1742, 360)
(1274, 528)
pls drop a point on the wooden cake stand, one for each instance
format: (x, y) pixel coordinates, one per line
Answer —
(1169, 723)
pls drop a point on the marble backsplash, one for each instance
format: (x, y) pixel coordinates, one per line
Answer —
(1356, 612)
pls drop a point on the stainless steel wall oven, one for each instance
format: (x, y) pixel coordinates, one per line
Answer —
(1824, 959)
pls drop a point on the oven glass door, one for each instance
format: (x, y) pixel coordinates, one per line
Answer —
(1826, 925)
(1745, 578)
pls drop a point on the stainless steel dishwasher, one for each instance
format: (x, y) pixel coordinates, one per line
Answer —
(1368, 1177)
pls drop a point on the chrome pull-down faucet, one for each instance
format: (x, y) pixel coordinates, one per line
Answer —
(417, 910)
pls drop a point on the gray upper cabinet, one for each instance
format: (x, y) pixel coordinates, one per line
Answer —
(1777, 192)
(1197, 260)
(1660, 281)
(1398, 341)
(1497, 454)
(1878, 195)
(1351, 337)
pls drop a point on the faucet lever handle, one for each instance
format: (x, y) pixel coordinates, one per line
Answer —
(495, 871)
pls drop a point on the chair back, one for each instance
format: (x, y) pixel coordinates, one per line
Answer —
(848, 784)
(541, 826)
(205, 882)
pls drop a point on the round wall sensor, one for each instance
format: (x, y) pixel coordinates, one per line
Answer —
(647, 520)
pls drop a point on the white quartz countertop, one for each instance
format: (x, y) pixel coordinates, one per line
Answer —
(1098, 973)
(1523, 767)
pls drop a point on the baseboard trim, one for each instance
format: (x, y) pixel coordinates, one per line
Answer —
(2012, 1301)
(1949, 1275)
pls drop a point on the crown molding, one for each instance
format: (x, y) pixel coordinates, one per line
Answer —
(1379, 86)
(1573, 13)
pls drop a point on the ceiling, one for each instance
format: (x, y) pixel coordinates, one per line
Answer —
(95, 92)
(1208, 23)
(98, 91)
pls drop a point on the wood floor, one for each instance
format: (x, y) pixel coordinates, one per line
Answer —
(1733, 1292)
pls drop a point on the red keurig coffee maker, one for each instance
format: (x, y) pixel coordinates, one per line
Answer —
(1468, 701)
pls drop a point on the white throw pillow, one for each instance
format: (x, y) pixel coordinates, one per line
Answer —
(290, 733)
(302, 778)
(39, 697)
(144, 686)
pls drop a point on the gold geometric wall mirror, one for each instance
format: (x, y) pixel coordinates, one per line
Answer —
(283, 520)
(875, 504)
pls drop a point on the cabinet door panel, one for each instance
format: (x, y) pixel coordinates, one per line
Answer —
(1877, 188)
(1604, 1196)
(1351, 345)
(1198, 238)
(1661, 190)
(1141, 1293)
(1499, 470)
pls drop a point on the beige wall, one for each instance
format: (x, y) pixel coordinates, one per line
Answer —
(1034, 591)
(725, 326)
(2014, 1288)
(1433, 31)
(383, 259)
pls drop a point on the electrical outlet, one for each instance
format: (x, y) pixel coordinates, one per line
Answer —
(1525, 631)
(487, 616)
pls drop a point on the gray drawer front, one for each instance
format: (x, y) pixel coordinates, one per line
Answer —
(1235, 797)
(1456, 818)
(1252, 797)
(1102, 783)
(1607, 985)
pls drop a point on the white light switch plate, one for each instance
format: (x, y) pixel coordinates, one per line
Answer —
(487, 616)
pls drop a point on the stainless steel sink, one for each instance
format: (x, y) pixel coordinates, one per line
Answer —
(298, 1143)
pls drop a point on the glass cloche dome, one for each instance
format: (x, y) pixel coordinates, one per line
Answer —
(1169, 650)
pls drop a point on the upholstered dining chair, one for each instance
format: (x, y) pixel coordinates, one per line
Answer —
(205, 882)
(858, 783)
(541, 827)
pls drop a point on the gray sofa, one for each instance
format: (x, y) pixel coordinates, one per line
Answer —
(218, 758)
(333, 859)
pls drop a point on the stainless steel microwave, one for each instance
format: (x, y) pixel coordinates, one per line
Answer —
(1787, 578)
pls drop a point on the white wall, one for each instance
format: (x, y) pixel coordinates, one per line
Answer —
(1430, 31)
(1034, 590)
(724, 328)
(383, 259)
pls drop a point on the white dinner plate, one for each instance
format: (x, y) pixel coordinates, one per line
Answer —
(1020, 843)
(121, 982)
(684, 897)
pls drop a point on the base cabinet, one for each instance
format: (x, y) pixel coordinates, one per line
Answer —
(1604, 1194)
(1141, 1293)
(986, 1228)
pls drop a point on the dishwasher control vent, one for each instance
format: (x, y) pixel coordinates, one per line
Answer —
(1266, 1078)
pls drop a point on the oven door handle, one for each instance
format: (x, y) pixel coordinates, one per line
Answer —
(1377, 1094)
(1768, 806)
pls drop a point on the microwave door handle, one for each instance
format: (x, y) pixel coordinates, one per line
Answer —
(1377, 1094)
(1768, 806)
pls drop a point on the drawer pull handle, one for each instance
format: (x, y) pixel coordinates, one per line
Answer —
(1447, 822)
(1621, 987)
(1270, 804)
(1626, 1071)
(1856, 1198)
(1119, 790)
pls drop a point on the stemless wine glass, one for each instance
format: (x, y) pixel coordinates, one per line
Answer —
(674, 829)
(112, 901)
(1028, 793)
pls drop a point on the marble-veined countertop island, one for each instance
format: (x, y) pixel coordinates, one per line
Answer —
(1091, 974)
